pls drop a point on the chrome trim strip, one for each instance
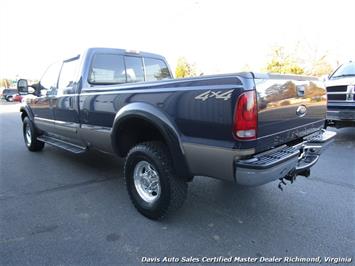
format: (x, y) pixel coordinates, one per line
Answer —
(145, 84)
(59, 122)
(87, 92)
(341, 111)
(44, 119)
(337, 101)
(63, 122)
(337, 92)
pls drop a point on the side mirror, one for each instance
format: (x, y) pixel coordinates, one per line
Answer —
(22, 86)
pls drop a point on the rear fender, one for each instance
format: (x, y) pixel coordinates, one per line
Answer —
(161, 122)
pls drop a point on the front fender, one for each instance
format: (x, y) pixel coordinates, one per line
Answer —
(160, 121)
(26, 109)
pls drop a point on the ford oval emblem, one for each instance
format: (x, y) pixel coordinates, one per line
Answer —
(301, 110)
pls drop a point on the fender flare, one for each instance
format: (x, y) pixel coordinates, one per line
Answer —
(165, 126)
(27, 110)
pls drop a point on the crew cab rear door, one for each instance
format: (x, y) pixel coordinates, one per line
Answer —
(65, 102)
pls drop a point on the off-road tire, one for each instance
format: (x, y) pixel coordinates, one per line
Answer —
(33, 144)
(173, 189)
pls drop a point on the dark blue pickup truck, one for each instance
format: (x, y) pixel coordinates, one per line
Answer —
(247, 128)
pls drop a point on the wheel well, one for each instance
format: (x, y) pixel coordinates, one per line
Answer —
(23, 115)
(134, 131)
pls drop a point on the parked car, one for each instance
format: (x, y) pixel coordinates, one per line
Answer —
(341, 96)
(8, 94)
(246, 128)
(17, 98)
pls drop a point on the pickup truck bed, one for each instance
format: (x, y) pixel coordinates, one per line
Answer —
(245, 127)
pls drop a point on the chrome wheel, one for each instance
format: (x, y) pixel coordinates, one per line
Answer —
(28, 135)
(147, 182)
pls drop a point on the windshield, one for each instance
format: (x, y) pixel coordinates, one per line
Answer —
(344, 71)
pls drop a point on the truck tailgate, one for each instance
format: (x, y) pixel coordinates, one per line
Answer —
(289, 107)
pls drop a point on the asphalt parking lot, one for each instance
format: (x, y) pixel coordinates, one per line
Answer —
(57, 208)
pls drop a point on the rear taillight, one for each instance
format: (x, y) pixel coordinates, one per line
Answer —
(246, 116)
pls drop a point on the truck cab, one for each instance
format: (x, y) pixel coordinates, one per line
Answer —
(341, 96)
(57, 108)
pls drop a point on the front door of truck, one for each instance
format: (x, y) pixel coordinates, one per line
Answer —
(41, 103)
(65, 105)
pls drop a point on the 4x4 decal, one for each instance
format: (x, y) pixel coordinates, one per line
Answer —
(225, 95)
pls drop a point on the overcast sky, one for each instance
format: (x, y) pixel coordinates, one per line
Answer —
(219, 36)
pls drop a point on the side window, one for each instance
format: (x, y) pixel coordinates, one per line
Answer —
(107, 69)
(134, 69)
(156, 69)
(49, 79)
(67, 83)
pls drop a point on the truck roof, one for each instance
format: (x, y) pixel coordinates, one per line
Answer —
(124, 51)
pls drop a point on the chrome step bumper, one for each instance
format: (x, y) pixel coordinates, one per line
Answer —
(278, 163)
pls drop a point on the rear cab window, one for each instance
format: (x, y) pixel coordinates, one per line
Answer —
(156, 69)
(109, 69)
(134, 69)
